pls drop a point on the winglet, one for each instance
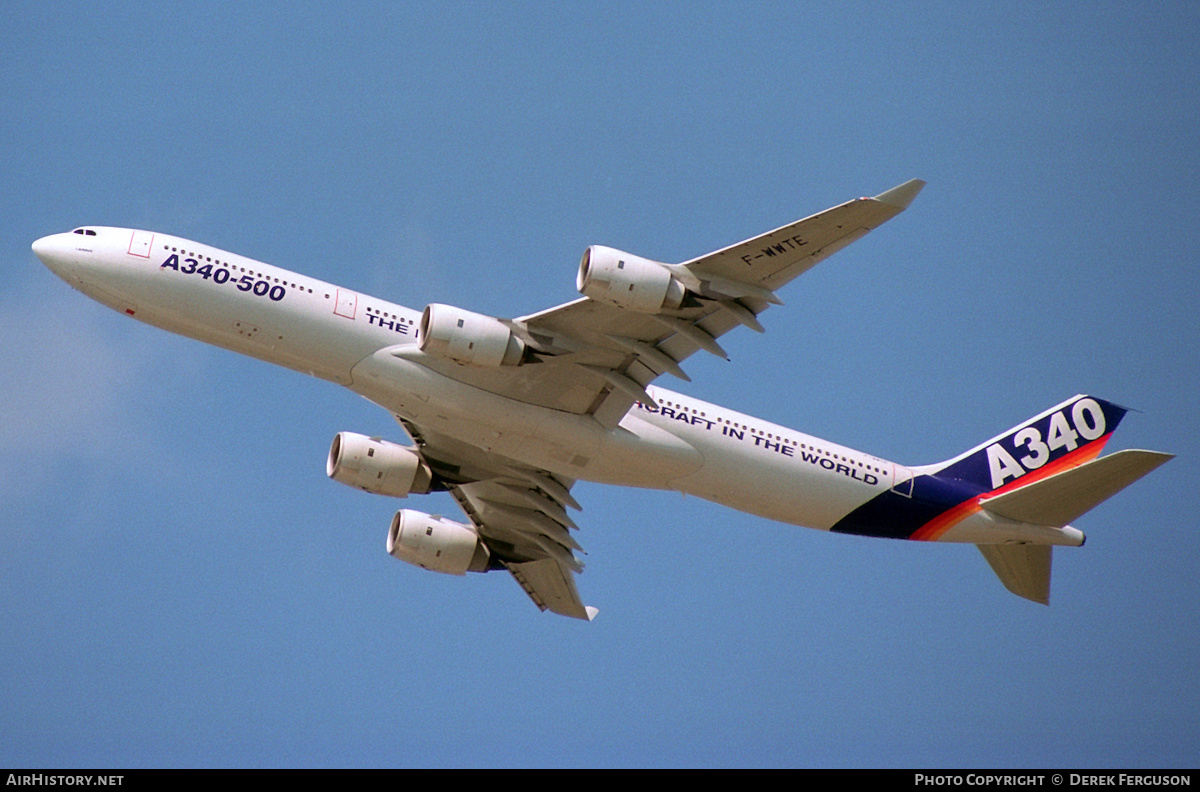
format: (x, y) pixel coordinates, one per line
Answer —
(591, 611)
(902, 195)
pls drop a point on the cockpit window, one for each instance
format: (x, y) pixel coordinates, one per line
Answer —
(84, 231)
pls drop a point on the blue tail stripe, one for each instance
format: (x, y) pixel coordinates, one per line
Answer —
(1002, 460)
(891, 515)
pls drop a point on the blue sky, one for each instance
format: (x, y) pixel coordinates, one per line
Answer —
(181, 585)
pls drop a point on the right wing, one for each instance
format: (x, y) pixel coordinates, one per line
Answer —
(529, 534)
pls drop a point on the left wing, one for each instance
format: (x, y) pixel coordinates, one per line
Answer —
(519, 513)
(595, 355)
(624, 349)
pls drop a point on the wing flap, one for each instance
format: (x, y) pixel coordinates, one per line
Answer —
(521, 515)
(551, 588)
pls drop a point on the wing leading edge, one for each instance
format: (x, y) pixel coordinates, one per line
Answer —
(617, 352)
(594, 358)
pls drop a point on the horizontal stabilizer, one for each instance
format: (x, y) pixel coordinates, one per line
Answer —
(1023, 569)
(1059, 499)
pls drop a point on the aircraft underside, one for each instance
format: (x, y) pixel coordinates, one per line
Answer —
(507, 414)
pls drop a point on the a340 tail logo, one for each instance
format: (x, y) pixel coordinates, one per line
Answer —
(1031, 449)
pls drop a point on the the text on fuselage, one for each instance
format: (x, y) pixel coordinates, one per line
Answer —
(397, 325)
(220, 275)
(776, 445)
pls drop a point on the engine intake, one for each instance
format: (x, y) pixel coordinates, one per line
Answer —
(628, 281)
(375, 465)
(470, 338)
(436, 544)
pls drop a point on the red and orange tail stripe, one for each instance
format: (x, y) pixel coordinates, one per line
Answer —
(938, 526)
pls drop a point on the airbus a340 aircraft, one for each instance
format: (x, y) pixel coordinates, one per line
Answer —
(507, 414)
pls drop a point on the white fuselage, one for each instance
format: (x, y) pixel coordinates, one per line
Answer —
(369, 345)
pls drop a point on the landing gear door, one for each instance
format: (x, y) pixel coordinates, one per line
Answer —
(902, 481)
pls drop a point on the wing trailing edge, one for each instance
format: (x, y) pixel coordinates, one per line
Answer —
(551, 588)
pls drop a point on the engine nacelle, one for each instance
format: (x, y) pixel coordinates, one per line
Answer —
(628, 281)
(468, 337)
(378, 466)
(436, 544)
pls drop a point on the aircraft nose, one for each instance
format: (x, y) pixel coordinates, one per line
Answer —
(41, 247)
(53, 253)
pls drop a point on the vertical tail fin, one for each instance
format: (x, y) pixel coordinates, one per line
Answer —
(1014, 495)
(1065, 436)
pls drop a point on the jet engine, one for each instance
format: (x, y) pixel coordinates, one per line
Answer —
(628, 281)
(378, 466)
(436, 544)
(469, 338)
